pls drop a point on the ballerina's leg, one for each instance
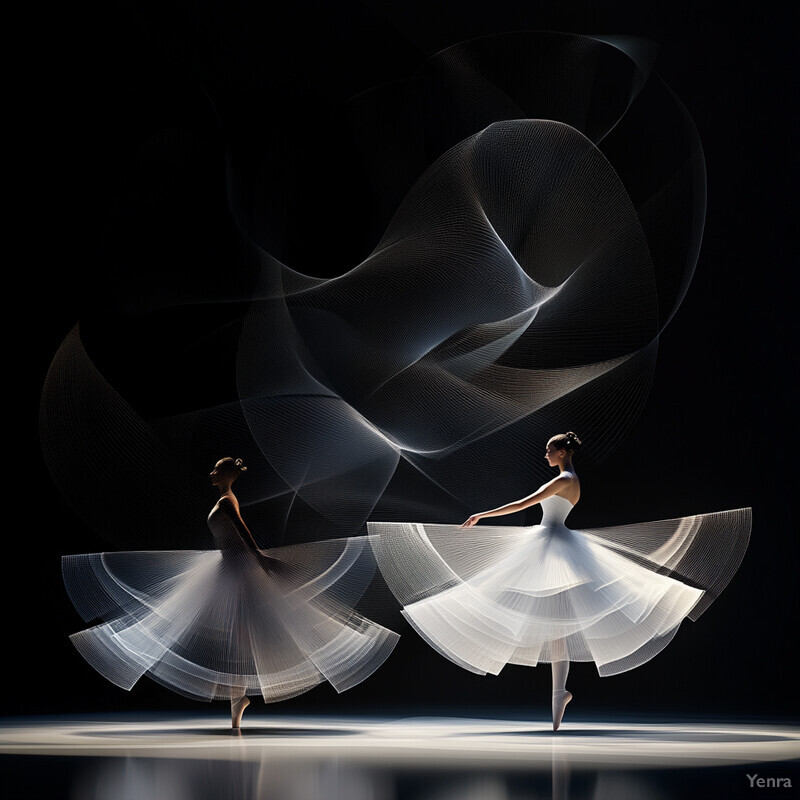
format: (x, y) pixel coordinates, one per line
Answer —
(560, 667)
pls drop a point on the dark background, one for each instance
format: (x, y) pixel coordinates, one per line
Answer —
(717, 431)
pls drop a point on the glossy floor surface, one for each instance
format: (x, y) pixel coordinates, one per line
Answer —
(127, 757)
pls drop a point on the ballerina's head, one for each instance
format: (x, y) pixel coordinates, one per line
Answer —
(226, 471)
(561, 448)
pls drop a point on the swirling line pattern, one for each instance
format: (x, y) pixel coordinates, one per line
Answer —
(540, 199)
(520, 286)
(543, 197)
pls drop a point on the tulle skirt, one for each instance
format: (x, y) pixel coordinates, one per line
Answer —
(218, 624)
(487, 596)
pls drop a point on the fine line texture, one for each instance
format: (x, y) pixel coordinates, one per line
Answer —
(525, 253)
(223, 623)
(489, 596)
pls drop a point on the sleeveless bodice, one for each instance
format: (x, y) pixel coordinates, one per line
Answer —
(555, 510)
(226, 537)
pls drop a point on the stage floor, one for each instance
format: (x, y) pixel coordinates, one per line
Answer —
(126, 757)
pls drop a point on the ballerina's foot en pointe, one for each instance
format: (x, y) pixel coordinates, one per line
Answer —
(237, 710)
(489, 596)
(234, 621)
(560, 700)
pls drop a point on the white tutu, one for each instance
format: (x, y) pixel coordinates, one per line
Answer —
(219, 623)
(485, 597)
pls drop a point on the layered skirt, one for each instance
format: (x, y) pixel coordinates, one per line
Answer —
(223, 623)
(489, 596)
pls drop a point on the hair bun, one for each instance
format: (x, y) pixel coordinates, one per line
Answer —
(240, 465)
(572, 440)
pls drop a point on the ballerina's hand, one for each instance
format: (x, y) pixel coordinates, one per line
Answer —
(471, 521)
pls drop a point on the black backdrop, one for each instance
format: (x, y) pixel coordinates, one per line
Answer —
(717, 429)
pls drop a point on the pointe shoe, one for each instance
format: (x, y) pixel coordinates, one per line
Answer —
(560, 700)
(237, 709)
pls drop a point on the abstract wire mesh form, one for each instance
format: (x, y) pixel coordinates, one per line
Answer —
(528, 253)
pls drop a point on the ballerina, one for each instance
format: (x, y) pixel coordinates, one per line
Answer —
(231, 622)
(524, 595)
(566, 485)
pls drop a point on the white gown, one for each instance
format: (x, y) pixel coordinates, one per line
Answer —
(489, 596)
(219, 623)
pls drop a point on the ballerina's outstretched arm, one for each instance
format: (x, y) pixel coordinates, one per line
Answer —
(547, 490)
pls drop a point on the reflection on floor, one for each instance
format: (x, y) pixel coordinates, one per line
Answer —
(326, 758)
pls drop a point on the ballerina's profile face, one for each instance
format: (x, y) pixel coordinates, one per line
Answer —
(554, 455)
(219, 474)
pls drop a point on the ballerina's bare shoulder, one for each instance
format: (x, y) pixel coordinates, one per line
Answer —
(568, 486)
